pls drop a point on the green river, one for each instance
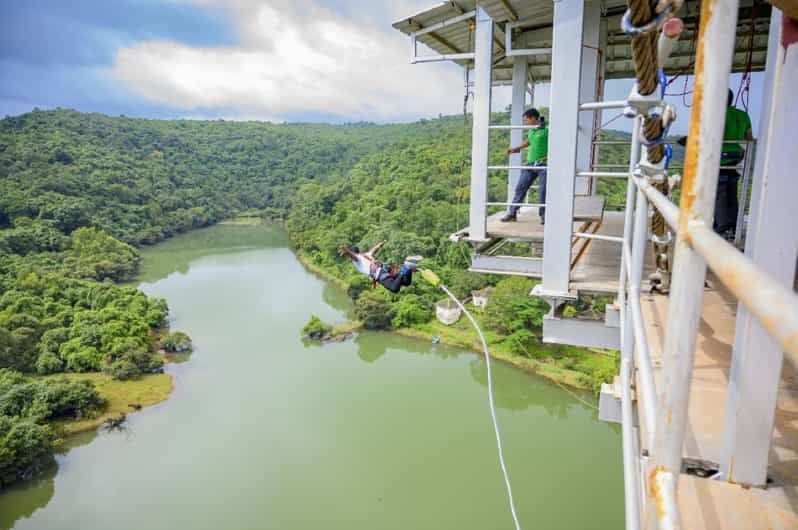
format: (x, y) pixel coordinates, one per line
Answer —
(264, 432)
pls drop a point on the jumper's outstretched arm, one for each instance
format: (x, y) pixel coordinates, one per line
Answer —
(376, 247)
(344, 250)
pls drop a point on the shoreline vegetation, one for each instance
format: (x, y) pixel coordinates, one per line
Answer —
(121, 397)
(461, 335)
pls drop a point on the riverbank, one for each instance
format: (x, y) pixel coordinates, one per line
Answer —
(320, 272)
(452, 336)
(122, 397)
(577, 367)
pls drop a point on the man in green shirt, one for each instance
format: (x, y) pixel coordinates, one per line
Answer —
(736, 129)
(537, 143)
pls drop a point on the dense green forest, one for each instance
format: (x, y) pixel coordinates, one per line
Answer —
(80, 192)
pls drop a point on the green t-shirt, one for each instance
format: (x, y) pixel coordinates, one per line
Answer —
(737, 123)
(538, 145)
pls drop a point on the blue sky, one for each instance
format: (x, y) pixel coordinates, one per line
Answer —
(281, 60)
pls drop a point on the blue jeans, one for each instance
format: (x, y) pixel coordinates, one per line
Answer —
(526, 180)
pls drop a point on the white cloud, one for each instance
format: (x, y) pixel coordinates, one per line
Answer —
(295, 58)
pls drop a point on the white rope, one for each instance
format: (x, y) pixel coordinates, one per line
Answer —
(492, 406)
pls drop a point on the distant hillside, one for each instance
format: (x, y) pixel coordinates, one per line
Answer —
(144, 180)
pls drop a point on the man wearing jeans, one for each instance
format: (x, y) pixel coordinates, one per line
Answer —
(537, 143)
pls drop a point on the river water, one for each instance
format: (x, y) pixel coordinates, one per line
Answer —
(265, 432)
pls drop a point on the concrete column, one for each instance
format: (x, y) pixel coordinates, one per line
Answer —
(564, 114)
(483, 72)
(516, 118)
(773, 245)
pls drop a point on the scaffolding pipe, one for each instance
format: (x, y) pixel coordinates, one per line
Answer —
(628, 221)
(445, 23)
(630, 471)
(600, 105)
(599, 237)
(642, 354)
(503, 127)
(747, 169)
(504, 168)
(668, 210)
(603, 174)
(443, 57)
(530, 204)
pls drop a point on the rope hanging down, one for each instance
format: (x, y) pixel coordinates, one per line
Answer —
(433, 279)
(643, 22)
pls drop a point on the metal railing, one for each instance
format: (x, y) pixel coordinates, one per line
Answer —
(653, 459)
(745, 168)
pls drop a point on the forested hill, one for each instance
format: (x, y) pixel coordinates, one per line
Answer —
(144, 180)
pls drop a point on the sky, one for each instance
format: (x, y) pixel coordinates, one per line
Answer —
(275, 60)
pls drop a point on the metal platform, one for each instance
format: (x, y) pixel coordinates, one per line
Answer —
(598, 269)
(529, 228)
(717, 504)
(595, 272)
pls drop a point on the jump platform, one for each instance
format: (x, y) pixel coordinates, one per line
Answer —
(529, 228)
(717, 504)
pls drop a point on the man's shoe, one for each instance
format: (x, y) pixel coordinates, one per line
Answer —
(411, 263)
(542, 221)
(508, 218)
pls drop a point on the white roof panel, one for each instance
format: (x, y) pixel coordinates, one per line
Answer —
(538, 14)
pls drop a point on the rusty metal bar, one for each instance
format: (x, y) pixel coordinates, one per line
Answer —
(775, 306)
(699, 184)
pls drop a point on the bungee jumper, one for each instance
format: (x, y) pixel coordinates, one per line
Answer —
(392, 278)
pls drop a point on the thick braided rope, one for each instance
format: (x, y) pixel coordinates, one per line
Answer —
(644, 52)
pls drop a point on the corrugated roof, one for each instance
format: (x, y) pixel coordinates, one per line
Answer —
(458, 38)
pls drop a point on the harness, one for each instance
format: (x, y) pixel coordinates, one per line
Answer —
(378, 270)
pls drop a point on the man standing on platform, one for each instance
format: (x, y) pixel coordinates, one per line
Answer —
(537, 143)
(736, 129)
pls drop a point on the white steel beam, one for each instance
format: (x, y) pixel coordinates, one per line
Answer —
(587, 92)
(564, 110)
(483, 65)
(772, 245)
(516, 119)
(713, 64)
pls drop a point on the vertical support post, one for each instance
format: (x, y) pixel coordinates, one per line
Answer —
(564, 113)
(699, 184)
(587, 92)
(773, 246)
(483, 74)
(516, 118)
(748, 163)
(627, 335)
(630, 452)
(595, 153)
